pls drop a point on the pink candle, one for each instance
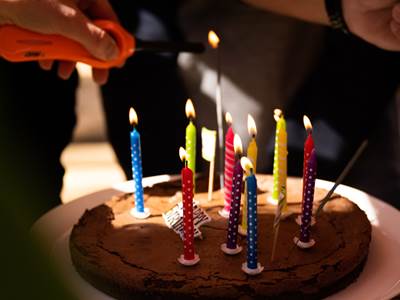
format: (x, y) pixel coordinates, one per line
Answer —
(189, 257)
(229, 165)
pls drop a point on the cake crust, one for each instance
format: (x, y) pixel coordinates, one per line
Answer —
(137, 259)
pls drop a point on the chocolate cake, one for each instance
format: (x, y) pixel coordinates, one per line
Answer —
(137, 259)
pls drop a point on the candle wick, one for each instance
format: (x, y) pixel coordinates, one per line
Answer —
(254, 136)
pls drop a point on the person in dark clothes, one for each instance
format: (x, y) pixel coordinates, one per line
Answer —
(38, 109)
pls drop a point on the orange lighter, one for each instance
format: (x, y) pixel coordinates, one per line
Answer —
(18, 45)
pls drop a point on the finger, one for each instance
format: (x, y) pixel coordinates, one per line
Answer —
(100, 75)
(79, 28)
(65, 69)
(46, 64)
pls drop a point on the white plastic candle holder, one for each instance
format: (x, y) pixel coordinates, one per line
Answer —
(140, 215)
(242, 231)
(303, 245)
(188, 262)
(298, 220)
(252, 272)
(223, 213)
(229, 251)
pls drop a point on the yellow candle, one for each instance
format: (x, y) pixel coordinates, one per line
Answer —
(252, 151)
(280, 161)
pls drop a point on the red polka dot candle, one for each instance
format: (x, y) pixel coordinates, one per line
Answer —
(231, 247)
(229, 165)
(189, 257)
(308, 148)
(305, 240)
(308, 145)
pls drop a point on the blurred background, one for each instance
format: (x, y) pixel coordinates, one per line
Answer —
(345, 85)
(89, 160)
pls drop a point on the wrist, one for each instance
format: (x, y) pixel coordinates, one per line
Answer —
(334, 9)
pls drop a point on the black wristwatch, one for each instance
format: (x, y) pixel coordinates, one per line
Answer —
(335, 14)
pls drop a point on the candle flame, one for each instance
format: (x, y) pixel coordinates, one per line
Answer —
(133, 118)
(182, 153)
(189, 108)
(246, 164)
(237, 144)
(307, 123)
(213, 39)
(251, 126)
(228, 118)
(277, 114)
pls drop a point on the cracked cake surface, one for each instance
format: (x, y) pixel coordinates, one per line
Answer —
(137, 259)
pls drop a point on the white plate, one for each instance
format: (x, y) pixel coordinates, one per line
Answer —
(380, 279)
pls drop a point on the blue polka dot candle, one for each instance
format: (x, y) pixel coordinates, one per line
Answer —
(139, 211)
(231, 247)
(251, 266)
(305, 240)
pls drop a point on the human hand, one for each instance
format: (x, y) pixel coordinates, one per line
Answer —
(376, 21)
(70, 18)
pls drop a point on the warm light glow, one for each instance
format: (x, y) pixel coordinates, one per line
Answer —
(228, 118)
(251, 126)
(182, 153)
(246, 165)
(277, 114)
(307, 123)
(189, 108)
(237, 144)
(133, 119)
(213, 39)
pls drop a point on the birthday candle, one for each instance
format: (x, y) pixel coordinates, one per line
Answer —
(308, 145)
(229, 164)
(251, 266)
(280, 160)
(214, 41)
(139, 211)
(189, 257)
(280, 174)
(191, 137)
(252, 151)
(305, 240)
(231, 247)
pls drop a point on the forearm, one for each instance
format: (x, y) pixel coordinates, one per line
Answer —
(306, 10)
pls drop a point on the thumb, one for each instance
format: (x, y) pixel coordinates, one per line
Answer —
(94, 39)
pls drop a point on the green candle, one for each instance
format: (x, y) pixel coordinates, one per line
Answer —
(191, 137)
